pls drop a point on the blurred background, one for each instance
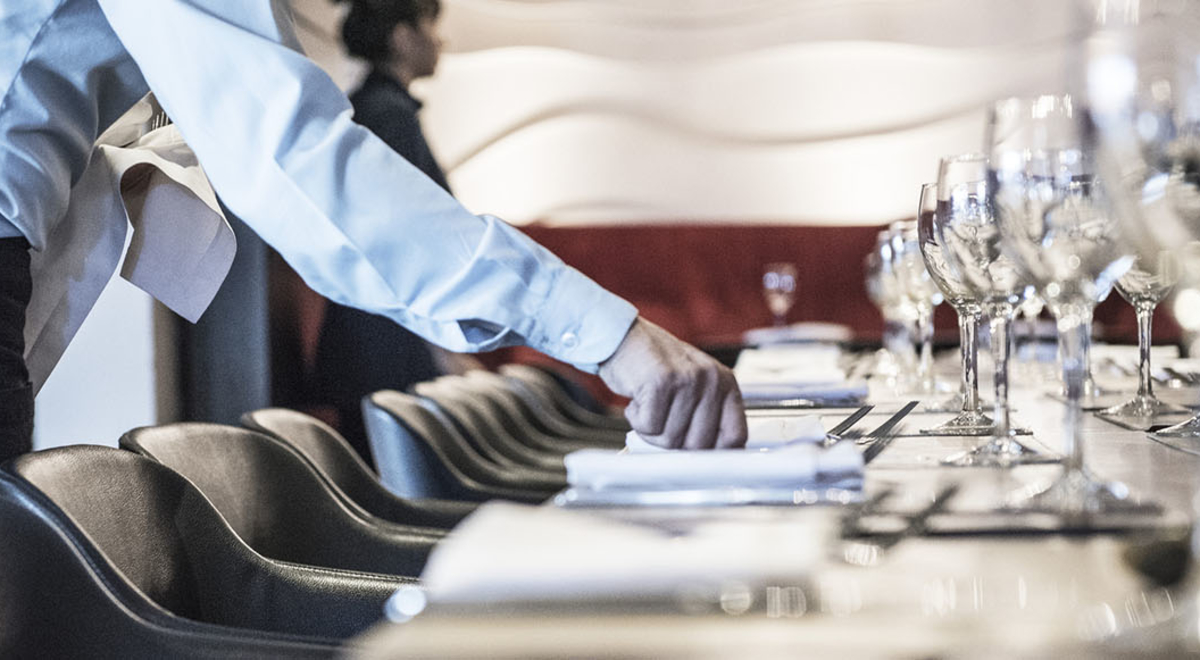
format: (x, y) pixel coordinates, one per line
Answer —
(667, 148)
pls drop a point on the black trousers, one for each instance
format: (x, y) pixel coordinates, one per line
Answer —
(16, 393)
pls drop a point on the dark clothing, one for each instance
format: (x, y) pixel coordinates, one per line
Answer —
(385, 107)
(359, 353)
(16, 393)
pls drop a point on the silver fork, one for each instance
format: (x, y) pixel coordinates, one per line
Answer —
(839, 431)
(886, 427)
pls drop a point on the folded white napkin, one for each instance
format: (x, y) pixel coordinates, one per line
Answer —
(507, 552)
(761, 433)
(793, 465)
(795, 372)
(811, 331)
(828, 391)
(810, 364)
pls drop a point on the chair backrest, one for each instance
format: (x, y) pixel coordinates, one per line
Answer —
(531, 412)
(277, 503)
(127, 506)
(406, 427)
(548, 388)
(473, 428)
(107, 552)
(337, 461)
(408, 463)
(479, 418)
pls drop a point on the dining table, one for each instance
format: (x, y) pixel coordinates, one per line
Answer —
(917, 559)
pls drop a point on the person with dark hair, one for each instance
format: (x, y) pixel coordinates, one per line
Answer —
(358, 352)
(274, 136)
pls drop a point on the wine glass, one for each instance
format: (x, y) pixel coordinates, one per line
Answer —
(895, 360)
(1143, 85)
(970, 235)
(1057, 223)
(921, 296)
(1145, 285)
(971, 420)
(779, 289)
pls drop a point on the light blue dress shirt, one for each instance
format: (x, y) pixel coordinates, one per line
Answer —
(274, 134)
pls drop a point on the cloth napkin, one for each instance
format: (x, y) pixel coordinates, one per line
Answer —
(761, 433)
(140, 180)
(799, 332)
(816, 363)
(512, 552)
(795, 372)
(792, 465)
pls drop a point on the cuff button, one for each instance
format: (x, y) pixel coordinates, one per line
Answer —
(570, 340)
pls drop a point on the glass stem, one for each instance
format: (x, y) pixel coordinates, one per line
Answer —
(1089, 384)
(1074, 331)
(1001, 343)
(1145, 319)
(968, 336)
(925, 359)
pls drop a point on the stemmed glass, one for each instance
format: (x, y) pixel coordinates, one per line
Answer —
(1143, 80)
(1057, 223)
(970, 233)
(921, 295)
(895, 359)
(779, 289)
(971, 420)
(1144, 286)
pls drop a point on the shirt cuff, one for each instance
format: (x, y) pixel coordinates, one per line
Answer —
(582, 323)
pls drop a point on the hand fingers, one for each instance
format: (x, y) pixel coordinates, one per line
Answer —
(733, 421)
(647, 411)
(705, 416)
(679, 415)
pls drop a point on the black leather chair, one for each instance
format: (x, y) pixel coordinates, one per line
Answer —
(426, 455)
(278, 504)
(483, 424)
(536, 421)
(538, 385)
(106, 554)
(346, 473)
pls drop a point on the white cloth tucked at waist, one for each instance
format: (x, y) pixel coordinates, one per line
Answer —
(180, 251)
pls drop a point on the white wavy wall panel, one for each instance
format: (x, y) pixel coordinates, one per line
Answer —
(792, 111)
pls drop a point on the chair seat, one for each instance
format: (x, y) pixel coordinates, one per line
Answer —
(108, 552)
(345, 472)
(278, 504)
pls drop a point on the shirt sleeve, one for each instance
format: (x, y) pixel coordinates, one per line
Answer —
(360, 224)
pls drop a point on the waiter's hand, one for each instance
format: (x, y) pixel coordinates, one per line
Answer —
(681, 396)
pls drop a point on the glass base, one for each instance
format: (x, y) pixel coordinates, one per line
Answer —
(971, 422)
(998, 452)
(1143, 413)
(1188, 429)
(1076, 496)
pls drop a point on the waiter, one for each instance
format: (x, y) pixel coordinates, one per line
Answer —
(274, 136)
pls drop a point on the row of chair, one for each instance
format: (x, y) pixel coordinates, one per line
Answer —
(274, 540)
(482, 435)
